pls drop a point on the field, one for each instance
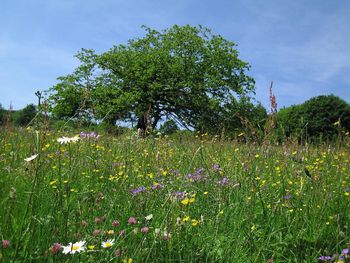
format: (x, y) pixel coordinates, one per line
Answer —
(177, 199)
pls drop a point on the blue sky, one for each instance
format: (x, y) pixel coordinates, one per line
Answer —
(302, 46)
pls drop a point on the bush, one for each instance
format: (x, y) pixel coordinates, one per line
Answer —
(320, 116)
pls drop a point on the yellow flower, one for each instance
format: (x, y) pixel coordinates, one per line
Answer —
(195, 222)
(185, 201)
(185, 219)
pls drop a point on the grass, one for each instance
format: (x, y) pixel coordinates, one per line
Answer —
(210, 201)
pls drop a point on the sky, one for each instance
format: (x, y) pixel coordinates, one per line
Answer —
(302, 46)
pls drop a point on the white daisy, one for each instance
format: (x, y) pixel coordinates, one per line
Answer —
(149, 217)
(65, 140)
(108, 243)
(31, 158)
(73, 248)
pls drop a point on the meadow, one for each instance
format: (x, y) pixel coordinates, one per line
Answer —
(81, 197)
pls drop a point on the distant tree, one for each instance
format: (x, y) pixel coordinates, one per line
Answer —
(168, 127)
(25, 115)
(319, 116)
(2, 115)
(175, 73)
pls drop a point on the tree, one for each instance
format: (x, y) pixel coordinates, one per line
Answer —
(168, 127)
(319, 116)
(71, 97)
(2, 115)
(25, 115)
(175, 73)
(236, 115)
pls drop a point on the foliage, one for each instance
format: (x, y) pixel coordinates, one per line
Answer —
(26, 115)
(2, 115)
(319, 116)
(233, 117)
(168, 127)
(175, 73)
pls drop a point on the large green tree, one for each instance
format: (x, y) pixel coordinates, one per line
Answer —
(180, 73)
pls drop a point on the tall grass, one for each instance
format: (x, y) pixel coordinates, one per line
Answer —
(210, 201)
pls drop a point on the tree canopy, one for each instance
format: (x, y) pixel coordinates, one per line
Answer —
(182, 73)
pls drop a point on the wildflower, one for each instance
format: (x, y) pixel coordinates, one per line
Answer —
(157, 231)
(138, 190)
(195, 222)
(31, 158)
(127, 260)
(287, 197)
(110, 232)
(92, 135)
(65, 140)
(325, 258)
(144, 230)
(115, 223)
(5, 243)
(185, 219)
(185, 201)
(157, 186)
(73, 248)
(91, 247)
(223, 181)
(118, 253)
(108, 243)
(216, 168)
(132, 221)
(55, 248)
(149, 217)
(122, 233)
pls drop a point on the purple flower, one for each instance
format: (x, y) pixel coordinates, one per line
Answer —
(325, 258)
(223, 181)
(157, 186)
(55, 248)
(92, 135)
(138, 190)
(345, 251)
(132, 220)
(5, 243)
(115, 223)
(144, 230)
(216, 167)
(287, 197)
